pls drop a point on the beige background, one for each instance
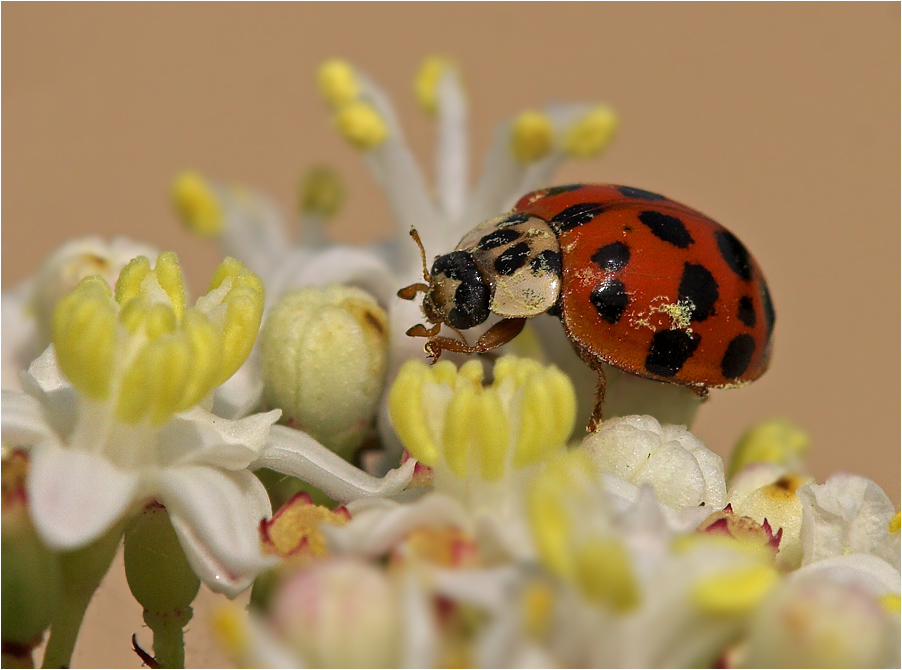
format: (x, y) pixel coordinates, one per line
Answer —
(780, 121)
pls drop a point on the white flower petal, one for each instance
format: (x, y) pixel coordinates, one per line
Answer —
(23, 422)
(870, 573)
(377, 524)
(214, 441)
(847, 514)
(292, 452)
(75, 496)
(19, 333)
(217, 516)
(242, 393)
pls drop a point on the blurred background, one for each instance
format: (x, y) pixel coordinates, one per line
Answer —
(781, 121)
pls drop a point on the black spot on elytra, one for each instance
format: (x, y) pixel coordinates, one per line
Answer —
(738, 356)
(769, 315)
(610, 300)
(576, 215)
(612, 257)
(669, 351)
(513, 220)
(698, 285)
(546, 261)
(512, 259)
(498, 238)
(746, 311)
(667, 228)
(557, 190)
(734, 253)
(639, 194)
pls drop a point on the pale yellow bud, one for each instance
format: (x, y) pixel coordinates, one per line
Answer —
(324, 354)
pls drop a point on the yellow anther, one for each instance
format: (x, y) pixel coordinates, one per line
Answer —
(891, 603)
(229, 625)
(533, 441)
(169, 274)
(778, 441)
(492, 425)
(563, 402)
(427, 81)
(532, 135)
(604, 573)
(160, 320)
(128, 286)
(457, 436)
(133, 314)
(551, 525)
(299, 523)
(197, 204)
(895, 523)
(537, 604)
(83, 332)
(337, 83)
(471, 371)
(203, 341)
(360, 124)
(443, 372)
(591, 134)
(321, 192)
(734, 592)
(405, 403)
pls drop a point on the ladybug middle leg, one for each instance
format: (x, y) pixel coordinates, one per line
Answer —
(499, 334)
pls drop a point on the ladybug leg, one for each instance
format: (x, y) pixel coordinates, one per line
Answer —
(420, 330)
(499, 334)
(410, 292)
(595, 421)
(701, 392)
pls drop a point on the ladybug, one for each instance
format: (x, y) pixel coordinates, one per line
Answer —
(639, 281)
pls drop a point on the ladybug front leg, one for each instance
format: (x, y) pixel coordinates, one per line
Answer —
(499, 334)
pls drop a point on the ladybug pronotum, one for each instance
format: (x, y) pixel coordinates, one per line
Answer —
(640, 282)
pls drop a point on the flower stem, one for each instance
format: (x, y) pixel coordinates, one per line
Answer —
(168, 638)
(81, 572)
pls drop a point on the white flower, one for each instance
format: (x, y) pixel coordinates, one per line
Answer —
(112, 419)
(847, 515)
(677, 465)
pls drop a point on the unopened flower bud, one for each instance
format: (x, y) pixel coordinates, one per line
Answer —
(31, 576)
(340, 613)
(324, 354)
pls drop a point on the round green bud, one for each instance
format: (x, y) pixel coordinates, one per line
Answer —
(324, 352)
(157, 570)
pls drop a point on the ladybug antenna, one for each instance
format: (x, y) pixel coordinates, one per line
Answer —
(410, 292)
(416, 238)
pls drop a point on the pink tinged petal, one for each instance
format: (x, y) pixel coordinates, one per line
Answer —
(22, 420)
(216, 515)
(295, 453)
(218, 442)
(75, 496)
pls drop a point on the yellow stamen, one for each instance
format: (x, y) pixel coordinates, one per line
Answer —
(427, 81)
(229, 624)
(337, 83)
(591, 134)
(891, 603)
(197, 204)
(735, 591)
(360, 124)
(537, 605)
(605, 574)
(777, 441)
(895, 523)
(84, 336)
(321, 192)
(532, 134)
(405, 402)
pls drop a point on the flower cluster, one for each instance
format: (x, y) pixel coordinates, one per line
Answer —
(445, 515)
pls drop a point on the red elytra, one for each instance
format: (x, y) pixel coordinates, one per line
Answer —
(640, 282)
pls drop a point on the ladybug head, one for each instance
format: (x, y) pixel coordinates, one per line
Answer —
(457, 294)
